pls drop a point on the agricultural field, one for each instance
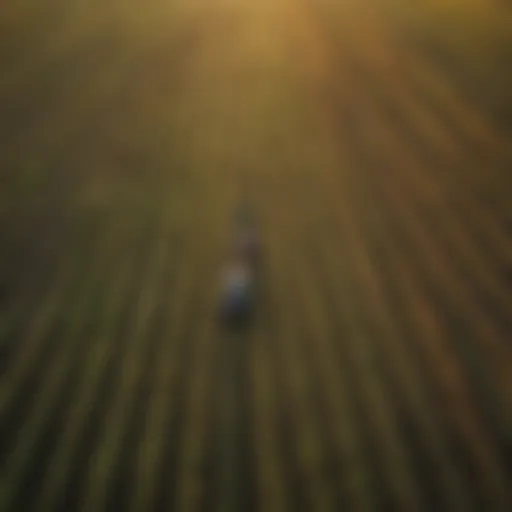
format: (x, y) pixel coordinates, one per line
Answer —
(375, 140)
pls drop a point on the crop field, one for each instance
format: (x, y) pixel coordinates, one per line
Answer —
(374, 138)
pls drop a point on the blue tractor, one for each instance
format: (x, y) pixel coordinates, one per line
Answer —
(241, 272)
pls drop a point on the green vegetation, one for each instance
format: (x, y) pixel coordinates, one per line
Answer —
(373, 140)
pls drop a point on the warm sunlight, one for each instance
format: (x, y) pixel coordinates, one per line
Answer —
(255, 255)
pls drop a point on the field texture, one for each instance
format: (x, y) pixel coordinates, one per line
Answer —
(375, 139)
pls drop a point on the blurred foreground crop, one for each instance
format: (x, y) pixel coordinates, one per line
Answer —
(374, 138)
